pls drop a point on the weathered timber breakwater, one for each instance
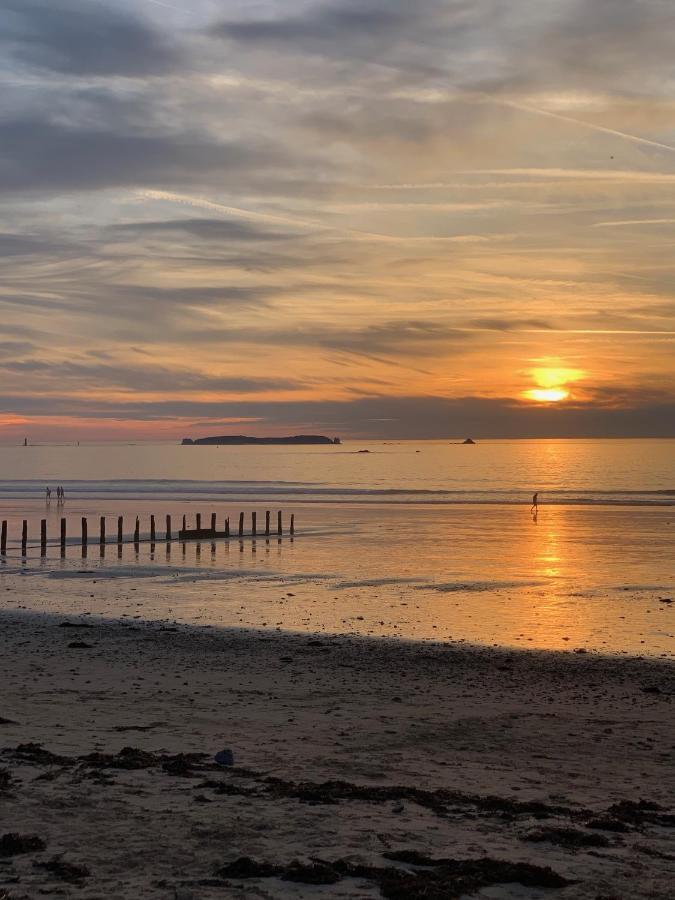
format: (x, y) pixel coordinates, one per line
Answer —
(195, 533)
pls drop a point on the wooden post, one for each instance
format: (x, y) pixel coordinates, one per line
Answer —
(43, 536)
(199, 521)
(63, 536)
(184, 524)
(213, 521)
(152, 529)
(267, 523)
(120, 529)
(241, 524)
(227, 527)
(254, 526)
(24, 537)
(3, 538)
(137, 531)
(84, 532)
(280, 529)
(168, 528)
(101, 536)
(293, 524)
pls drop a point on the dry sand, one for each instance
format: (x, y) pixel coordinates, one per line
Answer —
(345, 750)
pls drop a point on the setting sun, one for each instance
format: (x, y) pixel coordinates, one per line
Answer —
(547, 395)
(552, 383)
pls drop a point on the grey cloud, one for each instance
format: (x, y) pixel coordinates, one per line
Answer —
(15, 348)
(385, 417)
(38, 155)
(147, 378)
(149, 301)
(510, 324)
(388, 337)
(78, 37)
(27, 245)
(323, 25)
(394, 337)
(204, 229)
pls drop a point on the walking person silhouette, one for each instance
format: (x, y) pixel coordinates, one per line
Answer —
(535, 502)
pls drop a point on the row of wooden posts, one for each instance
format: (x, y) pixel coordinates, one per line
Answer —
(183, 534)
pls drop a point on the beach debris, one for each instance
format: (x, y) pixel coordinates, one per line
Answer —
(607, 823)
(566, 837)
(429, 879)
(442, 802)
(131, 758)
(245, 867)
(5, 780)
(651, 689)
(80, 645)
(75, 625)
(123, 728)
(665, 599)
(181, 765)
(4, 721)
(224, 757)
(13, 843)
(641, 812)
(66, 871)
(36, 755)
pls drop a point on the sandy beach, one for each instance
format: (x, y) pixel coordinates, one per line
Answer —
(396, 765)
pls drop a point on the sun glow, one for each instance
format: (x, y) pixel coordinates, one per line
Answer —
(552, 383)
(547, 395)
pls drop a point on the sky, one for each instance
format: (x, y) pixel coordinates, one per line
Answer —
(365, 218)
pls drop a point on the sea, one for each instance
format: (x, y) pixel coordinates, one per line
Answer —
(426, 541)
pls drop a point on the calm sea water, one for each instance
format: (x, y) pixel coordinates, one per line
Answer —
(602, 471)
(431, 541)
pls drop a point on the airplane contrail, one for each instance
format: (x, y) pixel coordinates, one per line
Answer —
(525, 107)
(203, 203)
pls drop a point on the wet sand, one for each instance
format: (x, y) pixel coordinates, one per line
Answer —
(393, 763)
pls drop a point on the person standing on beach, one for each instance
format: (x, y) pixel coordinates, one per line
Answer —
(48, 494)
(535, 505)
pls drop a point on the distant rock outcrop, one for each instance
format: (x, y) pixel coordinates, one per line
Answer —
(239, 439)
(468, 441)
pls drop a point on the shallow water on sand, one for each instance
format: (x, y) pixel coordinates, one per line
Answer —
(575, 577)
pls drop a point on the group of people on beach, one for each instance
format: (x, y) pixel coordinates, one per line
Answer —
(60, 494)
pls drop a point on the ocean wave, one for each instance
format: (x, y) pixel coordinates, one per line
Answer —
(305, 492)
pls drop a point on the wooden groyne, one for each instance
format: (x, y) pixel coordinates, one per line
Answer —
(184, 534)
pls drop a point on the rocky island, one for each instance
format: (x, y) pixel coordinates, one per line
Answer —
(239, 439)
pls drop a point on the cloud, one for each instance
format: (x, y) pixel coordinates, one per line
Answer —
(203, 229)
(39, 155)
(378, 417)
(15, 348)
(405, 338)
(78, 37)
(329, 26)
(143, 379)
(511, 324)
